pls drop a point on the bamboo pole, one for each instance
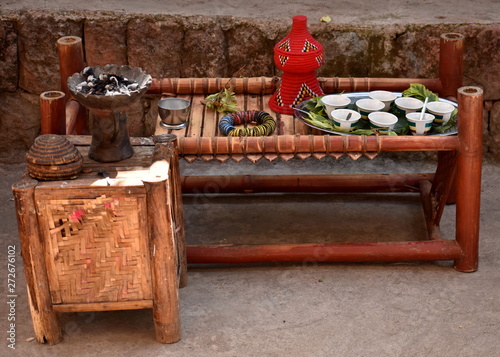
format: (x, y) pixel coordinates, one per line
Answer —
(336, 252)
(469, 164)
(72, 110)
(71, 60)
(45, 320)
(52, 111)
(451, 67)
(164, 259)
(433, 230)
(267, 85)
(70, 51)
(338, 85)
(444, 187)
(328, 144)
(303, 183)
(249, 85)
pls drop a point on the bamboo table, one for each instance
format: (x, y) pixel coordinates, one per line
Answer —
(457, 176)
(112, 239)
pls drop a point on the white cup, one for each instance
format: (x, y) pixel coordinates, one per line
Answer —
(367, 105)
(334, 101)
(382, 121)
(385, 97)
(441, 110)
(417, 126)
(340, 121)
(408, 104)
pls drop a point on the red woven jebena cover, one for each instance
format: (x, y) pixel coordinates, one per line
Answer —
(298, 55)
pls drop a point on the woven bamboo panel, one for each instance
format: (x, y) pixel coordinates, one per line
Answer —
(98, 249)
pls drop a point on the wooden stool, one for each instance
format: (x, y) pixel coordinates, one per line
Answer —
(112, 239)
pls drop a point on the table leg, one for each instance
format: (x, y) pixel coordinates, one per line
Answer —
(45, 320)
(469, 164)
(164, 260)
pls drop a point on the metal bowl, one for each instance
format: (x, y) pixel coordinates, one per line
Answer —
(114, 102)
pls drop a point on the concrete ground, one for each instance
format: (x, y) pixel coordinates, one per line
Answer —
(303, 309)
(355, 12)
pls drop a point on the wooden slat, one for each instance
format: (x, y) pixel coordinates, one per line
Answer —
(196, 118)
(105, 306)
(183, 132)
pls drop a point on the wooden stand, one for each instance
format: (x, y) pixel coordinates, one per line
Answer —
(459, 162)
(112, 239)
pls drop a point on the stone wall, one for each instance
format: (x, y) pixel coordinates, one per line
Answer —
(199, 46)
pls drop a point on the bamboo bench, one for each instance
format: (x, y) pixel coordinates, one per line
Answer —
(457, 176)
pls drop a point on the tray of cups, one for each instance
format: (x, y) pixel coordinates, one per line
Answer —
(382, 112)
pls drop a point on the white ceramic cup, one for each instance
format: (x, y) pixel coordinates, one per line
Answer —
(340, 121)
(334, 101)
(367, 106)
(408, 104)
(385, 97)
(382, 121)
(441, 110)
(417, 126)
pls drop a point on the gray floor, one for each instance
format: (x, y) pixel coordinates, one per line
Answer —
(304, 309)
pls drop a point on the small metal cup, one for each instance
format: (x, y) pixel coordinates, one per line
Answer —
(174, 112)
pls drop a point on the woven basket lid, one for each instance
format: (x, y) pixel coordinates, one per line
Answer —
(51, 149)
(53, 157)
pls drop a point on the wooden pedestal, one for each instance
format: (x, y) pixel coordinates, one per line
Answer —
(112, 239)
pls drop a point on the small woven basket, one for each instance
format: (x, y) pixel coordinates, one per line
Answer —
(53, 157)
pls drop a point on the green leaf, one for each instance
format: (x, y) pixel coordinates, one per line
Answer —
(319, 121)
(450, 124)
(363, 132)
(419, 91)
(223, 101)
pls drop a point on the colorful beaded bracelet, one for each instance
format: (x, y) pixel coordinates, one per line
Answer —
(266, 123)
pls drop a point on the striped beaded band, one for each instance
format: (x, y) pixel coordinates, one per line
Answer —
(266, 123)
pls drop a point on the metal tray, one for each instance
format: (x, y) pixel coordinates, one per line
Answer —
(301, 113)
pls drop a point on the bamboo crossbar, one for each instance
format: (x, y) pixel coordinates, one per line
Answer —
(294, 144)
(322, 253)
(267, 85)
(304, 183)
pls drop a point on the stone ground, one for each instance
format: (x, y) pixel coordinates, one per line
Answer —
(308, 309)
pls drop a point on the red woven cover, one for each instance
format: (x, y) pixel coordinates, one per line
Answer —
(298, 51)
(298, 55)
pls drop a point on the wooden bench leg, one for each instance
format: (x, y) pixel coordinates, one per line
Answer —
(469, 164)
